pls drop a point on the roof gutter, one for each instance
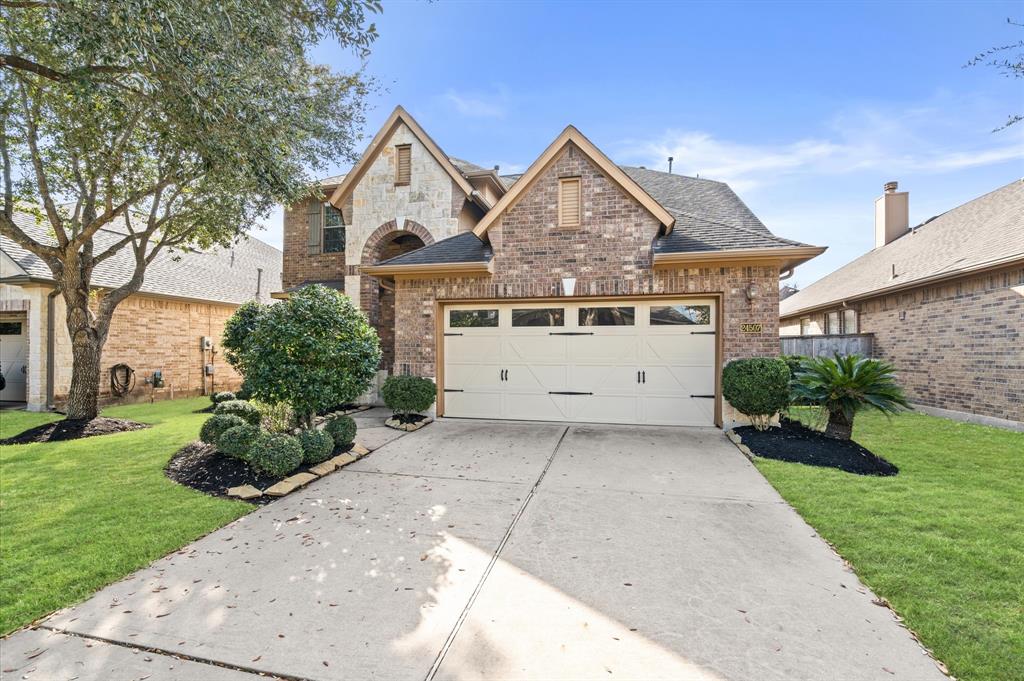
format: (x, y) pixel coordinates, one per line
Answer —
(429, 269)
(787, 258)
(916, 283)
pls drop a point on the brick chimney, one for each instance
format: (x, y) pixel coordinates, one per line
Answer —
(892, 215)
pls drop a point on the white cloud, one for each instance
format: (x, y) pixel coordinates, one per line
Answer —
(478, 105)
(924, 139)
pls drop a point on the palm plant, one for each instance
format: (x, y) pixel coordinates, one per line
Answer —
(844, 385)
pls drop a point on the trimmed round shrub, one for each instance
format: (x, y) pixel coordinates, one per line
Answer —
(317, 446)
(275, 454)
(408, 394)
(224, 396)
(342, 430)
(237, 440)
(216, 425)
(794, 363)
(240, 408)
(757, 387)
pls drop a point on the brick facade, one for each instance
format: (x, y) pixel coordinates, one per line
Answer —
(959, 346)
(609, 254)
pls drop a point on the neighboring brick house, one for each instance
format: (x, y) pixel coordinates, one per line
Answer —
(943, 300)
(186, 297)
(577, 291)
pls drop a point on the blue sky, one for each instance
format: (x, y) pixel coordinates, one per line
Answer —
(806, 109)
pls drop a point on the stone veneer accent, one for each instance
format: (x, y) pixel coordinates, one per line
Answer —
(960, 346)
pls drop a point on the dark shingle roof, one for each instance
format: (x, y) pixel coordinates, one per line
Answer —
(709, 216)
(217, 274)
(986, 231)
(464, 247)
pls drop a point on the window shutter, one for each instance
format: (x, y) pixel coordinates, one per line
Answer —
(569, 202)
(314, 218)
(403, 167)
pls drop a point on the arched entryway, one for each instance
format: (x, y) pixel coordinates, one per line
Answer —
(376, 298)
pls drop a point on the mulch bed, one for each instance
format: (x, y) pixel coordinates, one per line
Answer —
(796, 443)
(406, 419)
(201, 467)
(69, 429)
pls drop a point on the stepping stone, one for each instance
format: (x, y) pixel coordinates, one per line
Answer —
(323, 468)
(359, 450)
(244, 492)
(343, 460)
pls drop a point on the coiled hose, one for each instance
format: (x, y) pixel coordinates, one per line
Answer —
(122, 379)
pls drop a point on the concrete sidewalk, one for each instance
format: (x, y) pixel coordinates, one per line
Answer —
(498, 550)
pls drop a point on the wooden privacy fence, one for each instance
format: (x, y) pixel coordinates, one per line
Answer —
(844, 343)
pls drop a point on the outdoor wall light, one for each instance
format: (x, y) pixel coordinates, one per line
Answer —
(568, 285)
(752, 291)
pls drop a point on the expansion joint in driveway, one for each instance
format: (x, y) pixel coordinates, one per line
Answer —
(494, 559)
(173, 655)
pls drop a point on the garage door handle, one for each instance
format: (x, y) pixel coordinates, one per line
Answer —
(703, 333)
(453, 334)
(707, 396)
(570, 333)
(566, 392)
(454, 390)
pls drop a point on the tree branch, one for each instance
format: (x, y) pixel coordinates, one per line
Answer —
(37, 164)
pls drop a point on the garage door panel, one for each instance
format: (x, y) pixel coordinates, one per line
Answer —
(604, 347)
(675, 411)
(533, 407)
(13, 357)
(535, 348)
(598, 378)
(684, 348)
(481, 404)
(473, 347)
(604, 409)
(473, 376)
(678, 380)
(537, 379)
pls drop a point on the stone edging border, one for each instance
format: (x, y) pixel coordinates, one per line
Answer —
(738, 441)
(299, 480)
(407, 427)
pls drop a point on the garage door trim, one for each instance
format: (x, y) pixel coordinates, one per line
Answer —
(439, 332)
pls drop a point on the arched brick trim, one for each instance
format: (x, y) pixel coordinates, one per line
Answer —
(388, 231)
(379, 303)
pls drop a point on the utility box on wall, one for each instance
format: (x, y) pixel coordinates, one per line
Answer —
(206, 343)
(208, 370)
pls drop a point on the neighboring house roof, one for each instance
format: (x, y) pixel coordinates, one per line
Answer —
(786, 291)
(981, 234)
(217, 274)
(336, 284)
(398, 117)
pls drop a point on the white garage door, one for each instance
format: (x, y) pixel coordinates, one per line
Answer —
(632, 361)
(13, 356)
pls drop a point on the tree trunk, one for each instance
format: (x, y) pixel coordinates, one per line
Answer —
(83, 397)
(838, 426)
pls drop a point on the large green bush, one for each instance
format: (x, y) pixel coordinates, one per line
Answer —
(844, 385)
(238, 440)
(237, 330)
(275, 454)
(408, 394)
(317, 446)
(794, 363)
(342, 429)
(217, 424)
(757, 387)
(241, 409)
(313, 351)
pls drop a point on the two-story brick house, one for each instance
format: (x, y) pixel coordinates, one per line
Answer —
(577, 291)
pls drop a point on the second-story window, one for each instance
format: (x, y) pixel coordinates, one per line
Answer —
(403, 164)
(334, 230)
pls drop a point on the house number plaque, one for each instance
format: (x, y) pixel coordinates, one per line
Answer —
(750, 328)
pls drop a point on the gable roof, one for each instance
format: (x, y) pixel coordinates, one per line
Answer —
(398, 117)
(573, 136)
(218, 274)
(983, 233)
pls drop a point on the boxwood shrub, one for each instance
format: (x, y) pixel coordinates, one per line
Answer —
(223, 396)
(216, 425)
(342, 429)
(317, 446)
(240, 408)
(408, 394)
(275, 454)
(757, 387)
(237, 440)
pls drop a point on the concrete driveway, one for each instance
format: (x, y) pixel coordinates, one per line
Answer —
(472, 550)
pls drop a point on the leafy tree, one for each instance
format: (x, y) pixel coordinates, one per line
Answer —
(1008, 59)
(846, 384)
(167, 124)
(313, 351)
(237, 330)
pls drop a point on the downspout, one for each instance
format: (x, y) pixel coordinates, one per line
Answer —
(786, 274)
(50, 342)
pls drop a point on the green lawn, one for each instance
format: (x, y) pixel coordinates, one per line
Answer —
(943, 541)
(77, 515)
